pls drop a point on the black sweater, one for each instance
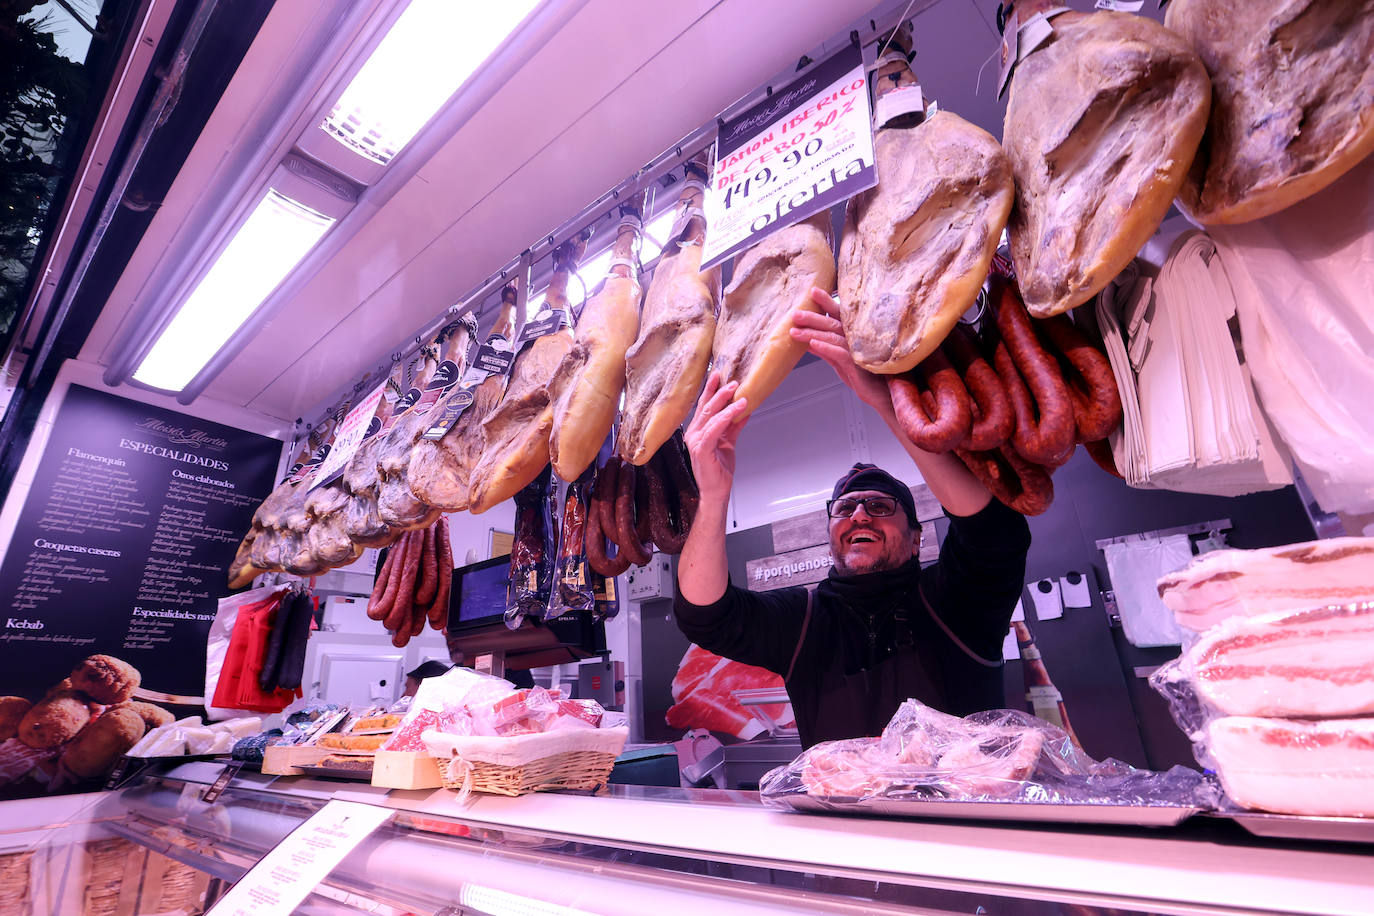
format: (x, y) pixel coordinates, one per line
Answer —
(949, 655)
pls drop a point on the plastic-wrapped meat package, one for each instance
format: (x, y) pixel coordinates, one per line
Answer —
(1281, 705)
(1001, 755)
(457, 702)
(533, 551)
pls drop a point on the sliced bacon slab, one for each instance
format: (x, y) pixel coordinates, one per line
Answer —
(1292, 767)
(1225, 583)
(1314, 663)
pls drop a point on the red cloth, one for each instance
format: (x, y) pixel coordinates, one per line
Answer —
(238, 680)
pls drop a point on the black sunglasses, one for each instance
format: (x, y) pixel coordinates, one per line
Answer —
(875, 506)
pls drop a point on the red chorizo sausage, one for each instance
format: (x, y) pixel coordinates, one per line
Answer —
(1096, 401)
(947, 423)
(1012, 480)
(426, 580)
(1044, 434)
(602, 502)
(643, 505)
(437, 612)
(1101, 452)
(627, 537)
(669, 533)
(678, 467)
(375, 609)
(993, 420)
(402, 607)
(595, 544)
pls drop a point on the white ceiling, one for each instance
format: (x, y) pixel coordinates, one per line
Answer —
(623, 81)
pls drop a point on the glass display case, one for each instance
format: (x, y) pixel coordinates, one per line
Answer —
(157, 846)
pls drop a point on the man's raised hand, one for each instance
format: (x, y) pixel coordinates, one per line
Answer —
(823, 335)
(711, 437)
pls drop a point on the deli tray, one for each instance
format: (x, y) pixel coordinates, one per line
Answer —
(949, 809)
(1305, 827)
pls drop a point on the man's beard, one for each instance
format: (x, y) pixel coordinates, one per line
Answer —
(893, 555)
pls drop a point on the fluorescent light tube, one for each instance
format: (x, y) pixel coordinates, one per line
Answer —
(273, 240)
(430, 51)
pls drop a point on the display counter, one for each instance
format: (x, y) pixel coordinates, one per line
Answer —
(635, 850)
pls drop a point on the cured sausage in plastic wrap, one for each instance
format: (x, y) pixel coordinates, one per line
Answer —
(532, 551)
(572, 589)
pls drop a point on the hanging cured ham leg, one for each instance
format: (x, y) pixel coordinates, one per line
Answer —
(585, 389)
(515, 435)
(1293, 100)
(666, 367)
(917, 247)
(1102, 124)
(441, 469)
(753, 343)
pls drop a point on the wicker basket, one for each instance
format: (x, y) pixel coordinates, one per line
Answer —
(566, 759)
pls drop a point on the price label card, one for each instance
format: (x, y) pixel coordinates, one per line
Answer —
(287, 874)
(348, 438)
(804, 149)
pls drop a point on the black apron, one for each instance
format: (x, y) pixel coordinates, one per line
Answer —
(861, 703)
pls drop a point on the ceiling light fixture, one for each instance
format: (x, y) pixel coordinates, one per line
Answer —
(277, 234)
(481, 78)
(431, 50)
(300, 204)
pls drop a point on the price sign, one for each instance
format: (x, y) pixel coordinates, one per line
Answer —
(803, 149)
(348, 438)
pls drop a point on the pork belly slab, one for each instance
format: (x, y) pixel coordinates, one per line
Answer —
(1226, 583)
(1314, 663)
(1293, 767)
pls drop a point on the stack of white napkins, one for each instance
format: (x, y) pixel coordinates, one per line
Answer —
(1191, 420)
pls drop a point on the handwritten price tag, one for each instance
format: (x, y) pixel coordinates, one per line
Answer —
(803, 149)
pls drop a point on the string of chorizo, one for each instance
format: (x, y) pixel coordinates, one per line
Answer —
(627, 536)
(399, 617)
(427, 579)
(669, 533)
(993, 420)
(375, 609)
(595, 530)
(1020, 484)
(1045, 429)
(1093, 393)
(437, 611)
(948, 422)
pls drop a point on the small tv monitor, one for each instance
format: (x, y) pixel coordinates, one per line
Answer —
(477, 626)
(478, 595)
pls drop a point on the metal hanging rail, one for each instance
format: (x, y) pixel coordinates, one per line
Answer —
(674, 157)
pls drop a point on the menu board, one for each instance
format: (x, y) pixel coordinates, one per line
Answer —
(124, 541)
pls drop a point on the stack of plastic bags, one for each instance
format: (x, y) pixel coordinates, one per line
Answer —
(1191, 421)
(1303, 279)
(1275, 687)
